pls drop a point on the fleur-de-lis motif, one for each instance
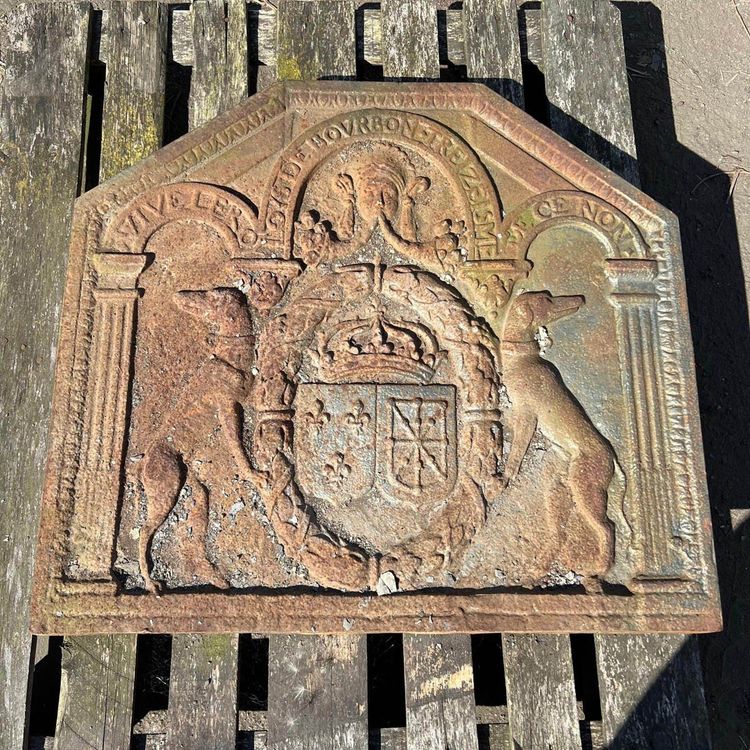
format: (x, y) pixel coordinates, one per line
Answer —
(494, 291)
(358, 417)
(337, 470)
(317, 417)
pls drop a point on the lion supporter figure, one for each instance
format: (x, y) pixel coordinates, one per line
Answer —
(540, 399)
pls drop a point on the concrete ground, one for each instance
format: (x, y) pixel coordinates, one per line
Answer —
(689, 67)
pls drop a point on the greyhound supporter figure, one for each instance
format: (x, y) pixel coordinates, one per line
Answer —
(180, 451)
(540, 398)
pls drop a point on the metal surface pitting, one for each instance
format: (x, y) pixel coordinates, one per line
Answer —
(374, 358)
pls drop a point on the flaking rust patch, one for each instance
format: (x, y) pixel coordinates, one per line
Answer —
(406, 373)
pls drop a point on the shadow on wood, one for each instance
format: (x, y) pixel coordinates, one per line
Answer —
(700, 193)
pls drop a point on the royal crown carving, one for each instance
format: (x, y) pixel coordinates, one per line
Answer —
(374, 357)
(374, 348)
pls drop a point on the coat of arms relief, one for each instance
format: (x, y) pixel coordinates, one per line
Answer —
(376, 362)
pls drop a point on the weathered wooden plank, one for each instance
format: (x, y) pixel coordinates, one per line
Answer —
(262, 44)
(317, 693)
(96, 693)
(155, 722)
(266, 34)
(181, 39)
(203, 693)
(530, 32)
(41, 648)
(440, 710)
(99, 672)
(372, 43)
(580, 39)
(390, 738)
(250, 42)
(493, 46)
(219, 58)
(498, 738)
(97, 4)
(209, 47)
(542, 709)
(41, 106)
(372, 36)
(409, 39)
(262, 37)
(652, 692)
(236, 54)
(315, 40)
(134, 94)
(454, 35)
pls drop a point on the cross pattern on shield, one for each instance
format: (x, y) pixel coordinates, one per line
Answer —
(416, 430)
(354, 439)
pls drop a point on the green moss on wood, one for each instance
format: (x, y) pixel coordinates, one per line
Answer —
(289, 69)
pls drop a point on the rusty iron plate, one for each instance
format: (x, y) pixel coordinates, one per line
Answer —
(374, 358)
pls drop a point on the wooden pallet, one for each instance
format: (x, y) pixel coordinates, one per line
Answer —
(565, 59)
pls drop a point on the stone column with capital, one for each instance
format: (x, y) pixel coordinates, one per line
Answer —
(98, 480)
(649, 476)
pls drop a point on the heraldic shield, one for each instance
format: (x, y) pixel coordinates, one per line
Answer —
(395, 440)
